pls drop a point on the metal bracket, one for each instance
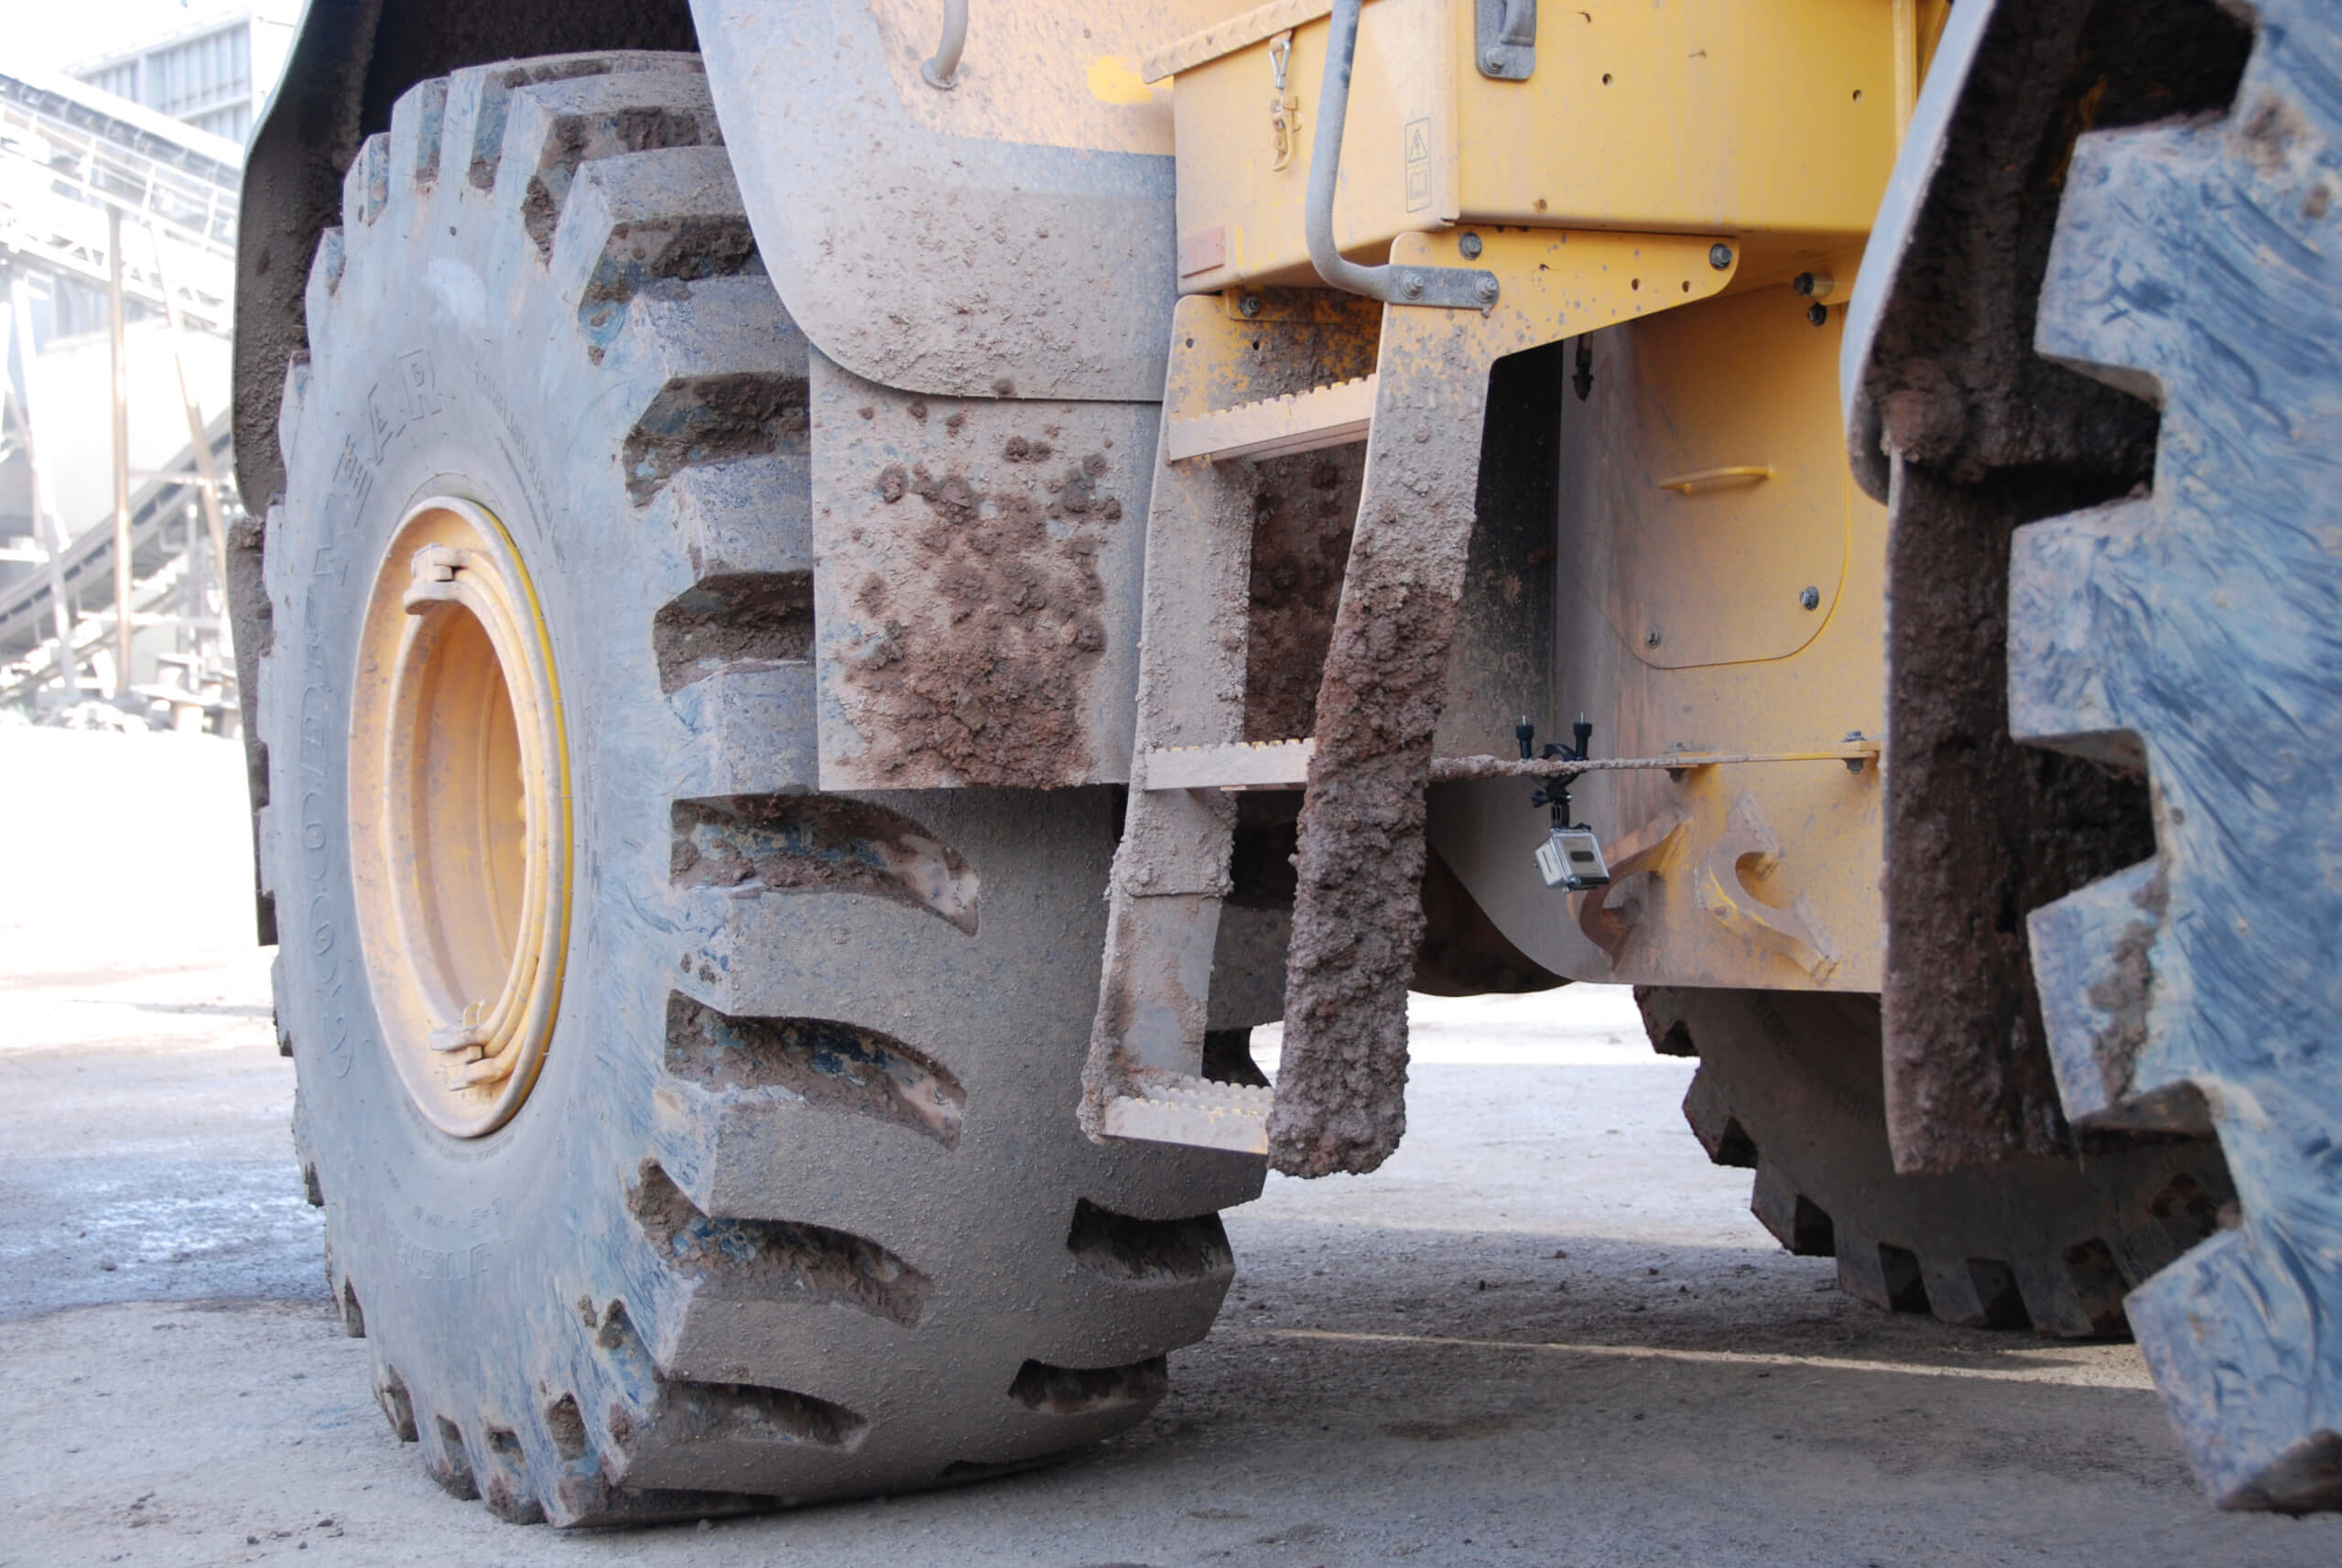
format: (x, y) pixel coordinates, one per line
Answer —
(1504, 39)
(1448, 287)
(941, 69)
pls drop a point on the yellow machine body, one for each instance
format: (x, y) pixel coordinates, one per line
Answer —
(1718, 576)
(1695, 117)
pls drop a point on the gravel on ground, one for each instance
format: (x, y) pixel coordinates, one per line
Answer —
(1546, 1333)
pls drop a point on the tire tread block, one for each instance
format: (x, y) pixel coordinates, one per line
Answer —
(2196, 262)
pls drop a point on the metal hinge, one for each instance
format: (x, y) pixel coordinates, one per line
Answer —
(1504, 39)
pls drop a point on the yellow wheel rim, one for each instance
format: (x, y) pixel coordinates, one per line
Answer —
(459, 815)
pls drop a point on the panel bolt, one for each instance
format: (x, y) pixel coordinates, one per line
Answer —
(1496, 60)
(1651, 638)
(1486, 289)
(1719, 256)
(1249, 306)
(1470, 245)
(1412, 288)
(1811, 598)
(1818, 313)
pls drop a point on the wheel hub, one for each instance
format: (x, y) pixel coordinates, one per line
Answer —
(459, 813)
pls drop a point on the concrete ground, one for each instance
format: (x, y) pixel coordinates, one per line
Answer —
(1547, 1333)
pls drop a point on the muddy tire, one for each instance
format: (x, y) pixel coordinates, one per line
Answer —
(1790, 1085)
(789, 1202)
(2189, 632)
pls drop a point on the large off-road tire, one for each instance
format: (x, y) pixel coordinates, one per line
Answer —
(759, 1178)
(1790, 1084)
(2198, 264)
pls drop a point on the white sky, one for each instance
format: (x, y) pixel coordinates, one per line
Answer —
(49, 35)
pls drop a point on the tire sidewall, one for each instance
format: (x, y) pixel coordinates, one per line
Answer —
(409, 400)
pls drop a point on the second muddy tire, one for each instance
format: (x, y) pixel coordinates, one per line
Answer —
(1790, 1085)
(796, 1206)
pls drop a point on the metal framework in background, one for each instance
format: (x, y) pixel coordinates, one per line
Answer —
(109, 195)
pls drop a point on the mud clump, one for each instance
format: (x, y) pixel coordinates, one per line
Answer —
(983, 660)
(1302, 516)
(750, 1260)
(747, 620)
(710, 419)
(1358, 920)
(829, 1066)
(783, 844)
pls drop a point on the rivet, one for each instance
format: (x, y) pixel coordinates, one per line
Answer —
(1719, 255)
(1470, 245)
(1811, 598)
(1249, 306)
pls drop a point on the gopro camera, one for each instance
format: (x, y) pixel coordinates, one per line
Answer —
(1571, 858)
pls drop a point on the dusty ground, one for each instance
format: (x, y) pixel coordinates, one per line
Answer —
(1545, 1334)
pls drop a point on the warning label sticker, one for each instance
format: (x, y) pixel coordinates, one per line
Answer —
(1417, 142)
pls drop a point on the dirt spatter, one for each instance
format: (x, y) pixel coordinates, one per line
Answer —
(1357, 919)
(640, 256)
(707, 419)
(799, 843)
(1076, 1391)
(746, 619)
(830, 1066)
(1124, 1247)
(575, 138)
(1302, 515)
(893, 484)
(1990, 435)
(764, 1260)
(2127, 990)
(986, 667)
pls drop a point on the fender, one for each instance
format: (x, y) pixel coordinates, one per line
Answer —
(1010, 236)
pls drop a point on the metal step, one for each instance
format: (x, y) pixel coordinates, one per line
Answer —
(1334, 416)
(1243, 764)
(1198, 1112)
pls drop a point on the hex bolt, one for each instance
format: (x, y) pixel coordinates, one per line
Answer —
(1496, 60)
(1719, 256)
(1811, 598)
(1818, 313)
(1412, 288)
(1486, 289)
(1470, 245)
(1248, 305)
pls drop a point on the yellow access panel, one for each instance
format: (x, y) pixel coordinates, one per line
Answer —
(1775, 120)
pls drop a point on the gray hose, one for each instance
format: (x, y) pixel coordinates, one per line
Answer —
(1454, 287)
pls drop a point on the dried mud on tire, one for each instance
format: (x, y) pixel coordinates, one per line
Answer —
(725, 1255)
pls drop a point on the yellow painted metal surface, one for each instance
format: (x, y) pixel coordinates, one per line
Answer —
(1775, 124)
(1733, 874)
(1709, 114)
(1711, 512)
(459, 805)
(1555, 283)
